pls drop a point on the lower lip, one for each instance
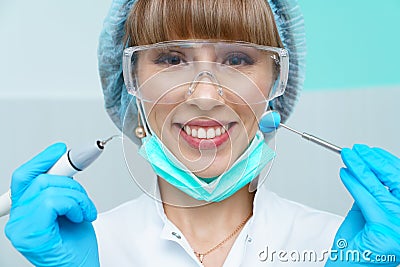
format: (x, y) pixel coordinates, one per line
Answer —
(206, 143)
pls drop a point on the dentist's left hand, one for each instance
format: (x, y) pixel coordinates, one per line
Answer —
(50, 217)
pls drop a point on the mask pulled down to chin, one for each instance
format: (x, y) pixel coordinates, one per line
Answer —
(244, 170)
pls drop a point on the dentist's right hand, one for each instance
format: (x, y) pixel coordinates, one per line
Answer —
(50, 217)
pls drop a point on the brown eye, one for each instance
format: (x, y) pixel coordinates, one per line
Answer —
(238, 59)
(170, 59)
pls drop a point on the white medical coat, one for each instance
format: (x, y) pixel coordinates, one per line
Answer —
(280, 233)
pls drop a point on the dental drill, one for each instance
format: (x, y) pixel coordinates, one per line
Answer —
(72, 162)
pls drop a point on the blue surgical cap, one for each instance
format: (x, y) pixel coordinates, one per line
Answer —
(290, 24)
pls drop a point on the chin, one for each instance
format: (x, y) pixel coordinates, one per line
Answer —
(210, 173)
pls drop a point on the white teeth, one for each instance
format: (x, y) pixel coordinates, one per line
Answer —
(188, 130)
(210, 133)
(205, 133)
(201, 133)
(194, 132)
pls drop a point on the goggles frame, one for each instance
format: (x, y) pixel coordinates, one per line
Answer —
(128, 67)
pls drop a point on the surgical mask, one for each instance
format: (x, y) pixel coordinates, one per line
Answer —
(247, 167)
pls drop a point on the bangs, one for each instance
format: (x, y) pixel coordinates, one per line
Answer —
(153, 21)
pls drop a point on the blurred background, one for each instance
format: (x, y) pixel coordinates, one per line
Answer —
(50, 92)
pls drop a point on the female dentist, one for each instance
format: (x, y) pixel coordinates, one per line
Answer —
(189, 82)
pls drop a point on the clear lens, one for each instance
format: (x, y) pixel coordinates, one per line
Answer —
(172, 72)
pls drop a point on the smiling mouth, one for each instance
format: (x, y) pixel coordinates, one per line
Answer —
(205, 134)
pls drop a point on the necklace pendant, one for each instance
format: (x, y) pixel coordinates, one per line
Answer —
(201, 257)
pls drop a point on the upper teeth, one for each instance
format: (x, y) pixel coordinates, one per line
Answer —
(205, 133)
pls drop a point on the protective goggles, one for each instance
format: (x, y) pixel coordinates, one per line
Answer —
(239, 72)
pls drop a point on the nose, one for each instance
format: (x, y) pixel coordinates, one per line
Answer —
(205, 91)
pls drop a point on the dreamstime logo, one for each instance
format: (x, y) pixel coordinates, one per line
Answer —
(340, 254)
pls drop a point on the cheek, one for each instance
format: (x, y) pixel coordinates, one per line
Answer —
(250, 116)
(265, 84)
(158, 116)
(253, 112)
(258, 110)
(263, 79)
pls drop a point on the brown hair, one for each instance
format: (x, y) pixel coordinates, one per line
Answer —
(153, 21)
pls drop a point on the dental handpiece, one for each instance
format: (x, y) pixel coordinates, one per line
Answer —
(72, 162)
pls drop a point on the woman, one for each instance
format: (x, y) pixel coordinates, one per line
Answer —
(199, 76)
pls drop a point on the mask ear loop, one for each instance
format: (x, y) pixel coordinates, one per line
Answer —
(141, 130)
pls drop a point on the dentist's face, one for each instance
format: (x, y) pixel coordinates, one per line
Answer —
(202, 122)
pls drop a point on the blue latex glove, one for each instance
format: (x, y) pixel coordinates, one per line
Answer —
(50, 217)
(372, 226)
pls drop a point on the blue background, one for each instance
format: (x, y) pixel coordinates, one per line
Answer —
(352, 43)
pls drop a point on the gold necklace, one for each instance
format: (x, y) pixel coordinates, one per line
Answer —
(240, 226)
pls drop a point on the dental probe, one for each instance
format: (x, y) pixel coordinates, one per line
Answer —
(271, 121)
(314, 139)
(72, 162)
